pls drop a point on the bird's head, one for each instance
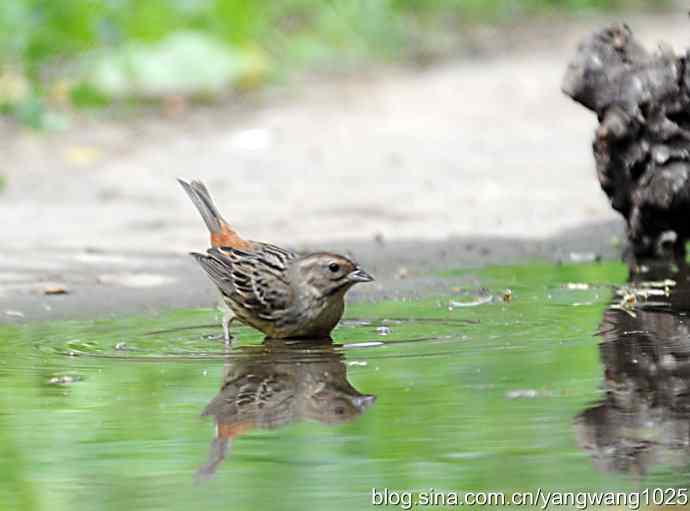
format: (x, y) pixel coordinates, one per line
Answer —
(330, 274)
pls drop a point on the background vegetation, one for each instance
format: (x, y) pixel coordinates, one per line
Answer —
(60, 54)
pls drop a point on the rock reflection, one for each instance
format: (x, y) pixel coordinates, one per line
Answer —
(644, 419)
(278, 383)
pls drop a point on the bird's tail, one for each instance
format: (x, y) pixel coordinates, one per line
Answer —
(217, 453)
(222, 235)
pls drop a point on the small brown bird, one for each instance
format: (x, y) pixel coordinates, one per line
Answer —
(278, 383)
(277, 291)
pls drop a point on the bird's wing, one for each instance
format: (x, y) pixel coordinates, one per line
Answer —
(274, 254)
(255, 281)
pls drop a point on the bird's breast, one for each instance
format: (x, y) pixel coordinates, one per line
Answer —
(319, 321)
(332, 313)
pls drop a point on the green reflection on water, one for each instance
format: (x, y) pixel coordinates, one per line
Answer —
(468, 398)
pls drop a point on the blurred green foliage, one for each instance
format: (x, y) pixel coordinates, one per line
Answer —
(48, 48)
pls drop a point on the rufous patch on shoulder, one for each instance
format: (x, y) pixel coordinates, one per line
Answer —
(227, 237)
(233, 430)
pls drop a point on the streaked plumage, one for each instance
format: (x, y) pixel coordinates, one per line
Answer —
(277, 291)
(279, 383)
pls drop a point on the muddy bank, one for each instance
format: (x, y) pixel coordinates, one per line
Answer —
(100, 284)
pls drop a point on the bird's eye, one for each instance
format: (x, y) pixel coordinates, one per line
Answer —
(334, 267)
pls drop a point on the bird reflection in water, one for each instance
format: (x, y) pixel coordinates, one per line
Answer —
(278, 383)
(644, 419)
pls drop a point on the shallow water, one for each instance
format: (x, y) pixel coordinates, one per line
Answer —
(476, 389)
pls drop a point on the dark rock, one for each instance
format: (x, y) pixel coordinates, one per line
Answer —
(643, 420)
(642, 144)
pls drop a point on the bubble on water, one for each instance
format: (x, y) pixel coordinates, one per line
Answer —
(522, 394)
(474, 303)
(383, 330)
(366, 344)
(64, 379)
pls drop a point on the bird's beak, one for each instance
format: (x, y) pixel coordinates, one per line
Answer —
(359, 275)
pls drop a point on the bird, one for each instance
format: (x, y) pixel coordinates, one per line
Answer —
(277, 291)
(278, 383)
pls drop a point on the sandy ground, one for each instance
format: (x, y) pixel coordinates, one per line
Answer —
(108, 284)
(482, 150)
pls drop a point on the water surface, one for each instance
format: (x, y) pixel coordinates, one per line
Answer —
(474, 389)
